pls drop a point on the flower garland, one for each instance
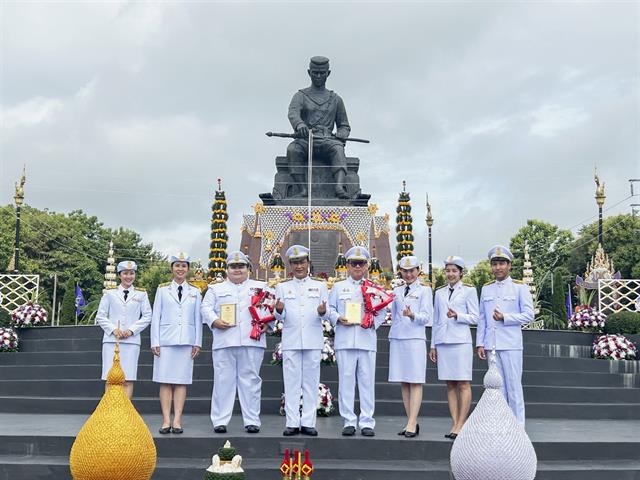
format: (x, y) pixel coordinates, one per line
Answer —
(316, 217)
(375, 299)
(261, 309)
(276, 356)
(586, 318)
(324, 407)
(29, 315)
(614, 347)
(328, 355)
(8, 340)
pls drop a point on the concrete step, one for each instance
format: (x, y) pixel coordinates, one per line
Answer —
(271, 405)
(531, 362)
(95, 345)
(329, 373)
(274, 388)
(559, 337)
(46, 467)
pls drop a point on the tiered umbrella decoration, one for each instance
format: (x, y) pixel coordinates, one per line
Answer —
(404, 225)
(219, 237)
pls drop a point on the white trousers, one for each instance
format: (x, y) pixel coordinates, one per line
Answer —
(509, 364)
(236, 368)
(301, 374)
(355, 365)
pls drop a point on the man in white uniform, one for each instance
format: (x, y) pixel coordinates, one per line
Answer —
(236, 356)
(505, 305)
(124, 312)
(302, 304)
(355, 346)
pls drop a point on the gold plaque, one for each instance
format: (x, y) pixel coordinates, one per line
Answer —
(353, 312)
(228, 313)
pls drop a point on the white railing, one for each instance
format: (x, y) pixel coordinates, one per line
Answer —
(618, 295)
(17, 289)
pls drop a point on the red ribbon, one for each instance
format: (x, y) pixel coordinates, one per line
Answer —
(375, 299)
(261, 309)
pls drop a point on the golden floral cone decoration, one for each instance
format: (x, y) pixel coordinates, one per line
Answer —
(114, 443)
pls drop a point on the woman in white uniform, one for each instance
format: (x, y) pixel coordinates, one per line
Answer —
(123, 313)
(456, 308)
(176, 339)
(412, 311)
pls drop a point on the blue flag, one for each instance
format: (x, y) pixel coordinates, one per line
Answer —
(80, 301)
(568, 304)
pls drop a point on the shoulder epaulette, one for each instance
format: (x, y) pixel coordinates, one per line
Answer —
(519, 282)
(425, 284)
(489, 283)
(286, 280)
(469, 285)
(440, 287)
(111, 288)
(140, 289)
(165, 284)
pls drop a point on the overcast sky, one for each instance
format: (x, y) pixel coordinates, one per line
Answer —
(499, 110)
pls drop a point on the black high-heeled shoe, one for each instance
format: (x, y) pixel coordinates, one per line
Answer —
(402, 432)
(409, 434)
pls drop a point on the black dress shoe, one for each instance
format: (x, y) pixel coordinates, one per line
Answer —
(447, 435)
(252, 428)
(349, 431)
(453, 436)
(290, 431)
(409, 434)
(367, 432)
(165, 430)
(177, 430)
(312, 432)
(220, 429)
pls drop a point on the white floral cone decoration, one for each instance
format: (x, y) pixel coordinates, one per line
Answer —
(492, 445)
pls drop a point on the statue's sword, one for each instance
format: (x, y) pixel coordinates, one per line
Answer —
(293, 135)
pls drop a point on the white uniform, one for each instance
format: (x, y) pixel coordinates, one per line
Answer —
(451, 337)
(513, 299)
(133, 314)
(407, 338)
(236, 356)
(302, 342)
(356, 355)
(176, 327)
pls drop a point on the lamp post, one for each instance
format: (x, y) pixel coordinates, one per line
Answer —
(19, 199)
(429, 220)
(600, 198)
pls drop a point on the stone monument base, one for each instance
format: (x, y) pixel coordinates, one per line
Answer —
(275, 228)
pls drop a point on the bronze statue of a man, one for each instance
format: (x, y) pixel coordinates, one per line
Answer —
(318, 109)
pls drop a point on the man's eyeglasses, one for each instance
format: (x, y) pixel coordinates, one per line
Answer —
(357, 263)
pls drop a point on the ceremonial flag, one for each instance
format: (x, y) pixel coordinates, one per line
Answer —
(80, 301)
(568, 303)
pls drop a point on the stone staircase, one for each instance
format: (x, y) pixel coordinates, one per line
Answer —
(583, 415)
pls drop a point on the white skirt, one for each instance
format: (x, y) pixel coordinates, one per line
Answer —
(174, 365)
(407, 360)
(129, 353)
(455, 361)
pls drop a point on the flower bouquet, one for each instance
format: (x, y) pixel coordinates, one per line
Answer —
(327, 329)
(263, 302)
(8, 340)
(375, 299)
(29, 315)
(325, 406)
(276, 356)
(325, 401)
(277, 329)
(614, 347)
(328, 353)
(586, 318)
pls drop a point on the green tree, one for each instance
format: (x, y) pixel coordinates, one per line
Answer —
(558, 305)
(68, 307)
(620, 241)
(549, 247)
(74, 246)
(153, 276)
(479, 275)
